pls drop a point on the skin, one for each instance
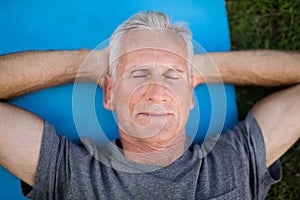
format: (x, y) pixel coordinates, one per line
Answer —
(266, 68)
(27, 71)
(20, 147)
(20, 132)
(278, 115)
(151, 96)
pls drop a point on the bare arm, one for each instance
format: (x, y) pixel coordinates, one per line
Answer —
(20, 73)
(278, 115)
(250, 67)
(26, 72)
(20, 140)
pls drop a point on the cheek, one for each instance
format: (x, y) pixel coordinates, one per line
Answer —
(133, 100)
(183, 92)
(184, 97)
(125, 99)
(137, 100)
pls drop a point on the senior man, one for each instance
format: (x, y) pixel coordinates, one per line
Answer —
(149, 86)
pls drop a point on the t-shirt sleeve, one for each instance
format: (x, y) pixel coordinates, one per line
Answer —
(55, 167)
(247, 139)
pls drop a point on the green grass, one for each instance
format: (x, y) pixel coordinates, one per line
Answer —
(268, 24)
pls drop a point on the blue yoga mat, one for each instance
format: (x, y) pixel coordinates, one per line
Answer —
(77, 110)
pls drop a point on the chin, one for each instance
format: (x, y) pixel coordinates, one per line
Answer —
(165, 138)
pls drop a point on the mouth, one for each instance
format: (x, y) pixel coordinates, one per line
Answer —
(155, 114)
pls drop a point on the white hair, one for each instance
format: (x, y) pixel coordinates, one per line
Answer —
(154, 21)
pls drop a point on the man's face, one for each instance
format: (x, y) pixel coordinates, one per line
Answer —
(152, 93)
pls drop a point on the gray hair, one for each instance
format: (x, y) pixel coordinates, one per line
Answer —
(154, 21)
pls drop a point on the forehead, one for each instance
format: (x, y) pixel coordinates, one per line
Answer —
(144, 46)
(164, 40)
(151, 57)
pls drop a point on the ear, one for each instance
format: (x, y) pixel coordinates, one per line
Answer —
(108, 93)
(192, 85)
(193, 81)
(192, 100)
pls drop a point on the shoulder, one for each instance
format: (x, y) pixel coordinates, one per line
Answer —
(60, 163)
(237, 159)
(245, 137)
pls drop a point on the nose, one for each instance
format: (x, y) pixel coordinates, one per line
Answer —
(157, 93)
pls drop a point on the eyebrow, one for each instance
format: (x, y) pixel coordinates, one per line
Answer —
(138, 68)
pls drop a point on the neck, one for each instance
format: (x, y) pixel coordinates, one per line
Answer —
(151, 152)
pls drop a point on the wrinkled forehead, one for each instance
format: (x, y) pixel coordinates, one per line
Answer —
(164, 40)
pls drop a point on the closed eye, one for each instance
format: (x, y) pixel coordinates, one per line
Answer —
(140, 73)
(172, 74)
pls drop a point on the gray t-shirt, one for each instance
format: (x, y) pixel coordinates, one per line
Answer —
(233, 169)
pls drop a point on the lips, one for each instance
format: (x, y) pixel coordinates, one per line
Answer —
(155, 114)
